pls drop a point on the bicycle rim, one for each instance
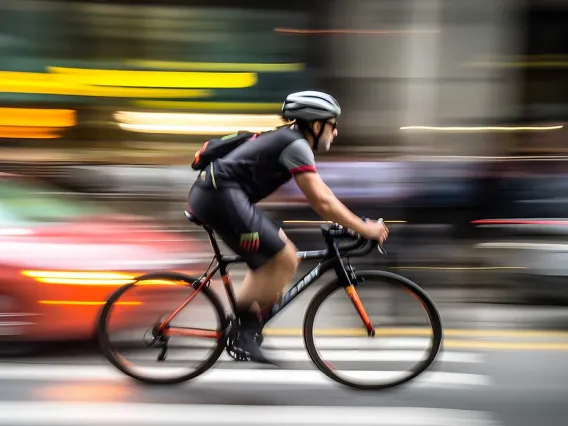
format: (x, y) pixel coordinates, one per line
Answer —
(205, 295)
(371, 350)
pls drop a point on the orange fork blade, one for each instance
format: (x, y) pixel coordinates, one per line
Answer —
(352, 293)
(192, 332)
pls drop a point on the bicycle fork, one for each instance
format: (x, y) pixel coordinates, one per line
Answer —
(347, 274)
(354, 297)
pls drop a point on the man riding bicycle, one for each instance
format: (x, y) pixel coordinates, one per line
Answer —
(224, 195)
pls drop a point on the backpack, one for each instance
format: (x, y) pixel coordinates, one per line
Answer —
(219, 147)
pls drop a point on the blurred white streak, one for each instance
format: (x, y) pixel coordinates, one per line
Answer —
(353, 31)
(193, 123)
(16, 231)
(482, 128)
(525, 246)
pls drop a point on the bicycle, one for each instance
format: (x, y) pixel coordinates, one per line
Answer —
(330, 258)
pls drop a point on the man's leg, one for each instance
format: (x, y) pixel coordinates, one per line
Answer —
(265, 249)
(261, 288)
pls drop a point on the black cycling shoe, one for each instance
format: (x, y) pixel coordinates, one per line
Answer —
(245, 339)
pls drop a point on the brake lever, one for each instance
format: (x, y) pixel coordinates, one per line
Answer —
(379, 247)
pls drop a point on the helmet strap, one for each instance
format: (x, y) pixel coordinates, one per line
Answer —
(308, 128)
(317, 139)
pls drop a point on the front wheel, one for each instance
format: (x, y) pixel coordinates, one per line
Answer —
(132, 339)
(341, 347)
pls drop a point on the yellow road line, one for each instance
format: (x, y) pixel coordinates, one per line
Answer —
(351, 332)
(451, 343)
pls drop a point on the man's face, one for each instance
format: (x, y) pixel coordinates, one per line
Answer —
(329, 133)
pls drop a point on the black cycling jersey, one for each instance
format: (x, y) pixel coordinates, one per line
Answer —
(225, 192)
(260, 166)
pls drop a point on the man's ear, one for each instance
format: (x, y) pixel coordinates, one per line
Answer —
(316, 126)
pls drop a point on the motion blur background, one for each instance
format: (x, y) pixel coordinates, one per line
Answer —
(453, 131)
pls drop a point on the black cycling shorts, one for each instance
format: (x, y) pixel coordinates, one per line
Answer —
(241, 224)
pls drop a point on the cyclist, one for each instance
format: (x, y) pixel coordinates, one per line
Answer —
(224, 196)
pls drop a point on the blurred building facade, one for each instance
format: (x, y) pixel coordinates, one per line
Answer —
(435, 93)
(394, 65)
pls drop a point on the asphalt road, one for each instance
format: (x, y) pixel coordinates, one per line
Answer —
(520, 378)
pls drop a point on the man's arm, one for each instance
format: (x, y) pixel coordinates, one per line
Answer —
(298, 158)
(325, 203)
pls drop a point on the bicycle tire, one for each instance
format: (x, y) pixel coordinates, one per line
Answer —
(114, 360)
(417, 291)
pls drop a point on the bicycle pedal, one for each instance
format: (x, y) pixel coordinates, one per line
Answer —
(239, 357)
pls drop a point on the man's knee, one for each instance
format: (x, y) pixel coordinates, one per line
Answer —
(289, 259)
(284, 262)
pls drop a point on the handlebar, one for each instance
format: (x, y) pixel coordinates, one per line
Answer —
(337, 231)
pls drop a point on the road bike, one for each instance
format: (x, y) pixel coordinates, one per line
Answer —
(335, 256)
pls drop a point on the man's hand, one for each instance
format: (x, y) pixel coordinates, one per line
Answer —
(374, 230)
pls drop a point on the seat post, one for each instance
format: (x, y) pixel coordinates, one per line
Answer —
(209, 231)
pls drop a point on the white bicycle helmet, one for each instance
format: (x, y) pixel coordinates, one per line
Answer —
(310, 106)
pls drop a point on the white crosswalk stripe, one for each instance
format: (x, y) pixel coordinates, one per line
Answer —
(95, 414)
(146, 414)
(234, 376)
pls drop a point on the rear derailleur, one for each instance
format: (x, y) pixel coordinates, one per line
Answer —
(157, 340)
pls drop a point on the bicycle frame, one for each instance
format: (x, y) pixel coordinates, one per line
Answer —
(331, 257)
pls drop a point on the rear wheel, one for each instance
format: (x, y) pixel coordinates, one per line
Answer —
(136, 310)
(373, 362)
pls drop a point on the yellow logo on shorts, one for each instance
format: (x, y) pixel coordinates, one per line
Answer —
(250, 241)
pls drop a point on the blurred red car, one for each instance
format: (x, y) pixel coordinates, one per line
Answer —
(60, 258)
